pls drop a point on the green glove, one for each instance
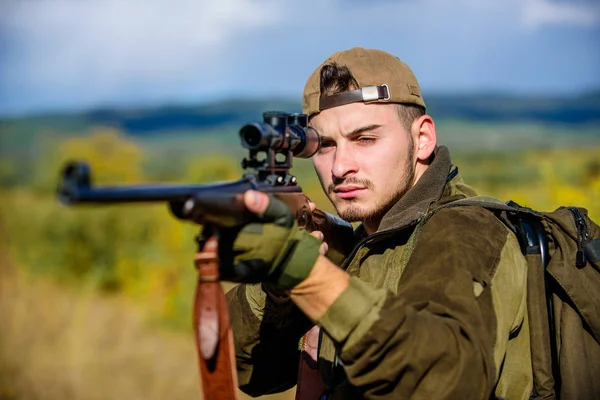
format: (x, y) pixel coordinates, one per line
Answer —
(273, 250)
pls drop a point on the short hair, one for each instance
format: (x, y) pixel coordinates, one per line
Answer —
(338, 78)
(408, 113)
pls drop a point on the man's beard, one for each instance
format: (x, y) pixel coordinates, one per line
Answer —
(354, 213)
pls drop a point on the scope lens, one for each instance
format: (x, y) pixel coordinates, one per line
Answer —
(251, 136)
(260, 137)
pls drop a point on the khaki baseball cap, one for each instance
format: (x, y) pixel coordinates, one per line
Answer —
(381, 78)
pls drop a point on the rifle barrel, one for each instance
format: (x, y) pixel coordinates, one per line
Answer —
(76, 187)
(141, 193)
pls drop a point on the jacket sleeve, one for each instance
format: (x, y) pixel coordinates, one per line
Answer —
(435, 337)
(266, 336)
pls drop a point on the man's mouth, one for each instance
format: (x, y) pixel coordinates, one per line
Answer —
(348, 191)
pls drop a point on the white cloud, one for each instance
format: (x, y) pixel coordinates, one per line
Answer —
(100, 52)
(141, 39)
(539, 13)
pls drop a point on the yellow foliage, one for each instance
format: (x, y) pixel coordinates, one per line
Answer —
(112, 157)
(564, 177)
(145, 253)
(214, 168)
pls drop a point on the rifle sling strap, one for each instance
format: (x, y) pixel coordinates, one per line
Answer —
(214, 339)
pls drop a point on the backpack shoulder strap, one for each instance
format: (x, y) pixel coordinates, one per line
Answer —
(527, 226)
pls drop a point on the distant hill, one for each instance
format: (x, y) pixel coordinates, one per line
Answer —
(584, 109)
(468, 123)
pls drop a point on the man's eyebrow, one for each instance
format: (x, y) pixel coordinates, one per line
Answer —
(357, 131)
(362, 129)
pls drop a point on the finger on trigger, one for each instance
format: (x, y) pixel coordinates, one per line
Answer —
(312, 206)
(318, 235)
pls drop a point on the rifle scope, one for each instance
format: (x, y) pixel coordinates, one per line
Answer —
(281, 132)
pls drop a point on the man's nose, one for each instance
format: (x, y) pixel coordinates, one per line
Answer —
(344, 162)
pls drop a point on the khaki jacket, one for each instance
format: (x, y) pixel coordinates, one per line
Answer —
(443, 317)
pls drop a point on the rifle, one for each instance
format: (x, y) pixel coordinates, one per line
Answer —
(272, 145)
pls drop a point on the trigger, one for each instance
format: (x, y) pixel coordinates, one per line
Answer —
(303, 218)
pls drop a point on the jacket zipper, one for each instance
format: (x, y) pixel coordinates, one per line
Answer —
(582, 237)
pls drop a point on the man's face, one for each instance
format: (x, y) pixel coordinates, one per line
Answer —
(366, 162)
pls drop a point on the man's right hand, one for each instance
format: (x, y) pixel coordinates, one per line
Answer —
(273, 250)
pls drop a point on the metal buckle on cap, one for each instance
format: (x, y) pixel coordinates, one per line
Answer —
(370, 93)
(373, 93)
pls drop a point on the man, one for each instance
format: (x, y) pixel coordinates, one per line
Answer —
(424, 311)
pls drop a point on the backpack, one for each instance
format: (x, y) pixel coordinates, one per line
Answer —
(562, 249)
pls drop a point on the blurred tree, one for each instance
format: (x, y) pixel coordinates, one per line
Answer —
(168, 165)
(113, 158)
(80, 243)
(215, 168)
(8, 173)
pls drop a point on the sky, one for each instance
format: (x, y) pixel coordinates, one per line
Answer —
(71, 55)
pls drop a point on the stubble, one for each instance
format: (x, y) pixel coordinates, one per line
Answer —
(354, 213)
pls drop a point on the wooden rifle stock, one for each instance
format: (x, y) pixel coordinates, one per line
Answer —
(213, 335)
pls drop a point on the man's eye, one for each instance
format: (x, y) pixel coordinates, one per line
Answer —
(325, 145)
(366, 140)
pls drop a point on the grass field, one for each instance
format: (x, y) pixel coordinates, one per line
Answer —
(60, 343)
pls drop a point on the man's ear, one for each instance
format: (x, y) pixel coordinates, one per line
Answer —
(424, 137)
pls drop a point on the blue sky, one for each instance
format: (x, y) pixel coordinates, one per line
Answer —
(63, 55)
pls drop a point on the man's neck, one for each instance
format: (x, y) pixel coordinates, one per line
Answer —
(371, 225)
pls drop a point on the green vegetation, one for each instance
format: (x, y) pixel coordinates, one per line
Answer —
(86, 271)
(140, 250)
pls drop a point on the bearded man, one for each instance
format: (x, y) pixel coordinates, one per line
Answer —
(420, 311)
